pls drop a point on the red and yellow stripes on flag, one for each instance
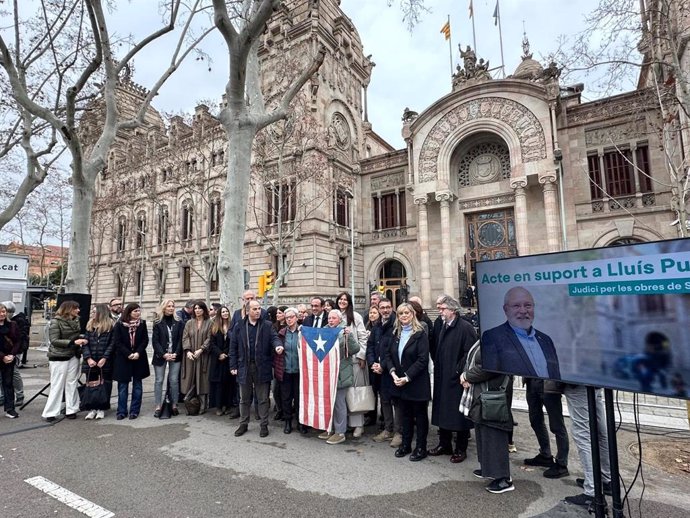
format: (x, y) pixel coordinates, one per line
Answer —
(318, 376)
(445, 30)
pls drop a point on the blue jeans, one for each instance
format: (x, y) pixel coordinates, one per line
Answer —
(173, 382)
(123, 393)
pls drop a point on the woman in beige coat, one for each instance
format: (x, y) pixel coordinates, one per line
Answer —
(195, 359)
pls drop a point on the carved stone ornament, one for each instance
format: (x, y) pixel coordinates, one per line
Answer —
(611, 135)
(486, 202)
(421, 199)
(339, 131)
(388, 181)
(522, 121)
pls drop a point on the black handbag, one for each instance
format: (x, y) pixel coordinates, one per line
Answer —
(93, 394)
(494, 403)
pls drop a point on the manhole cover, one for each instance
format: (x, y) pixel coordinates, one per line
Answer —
(670, 456)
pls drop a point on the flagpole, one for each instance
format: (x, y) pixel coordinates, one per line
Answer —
(450, 48)
(474, 35)
(500, 38)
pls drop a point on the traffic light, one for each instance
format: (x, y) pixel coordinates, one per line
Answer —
(265, 283)
(268, 280)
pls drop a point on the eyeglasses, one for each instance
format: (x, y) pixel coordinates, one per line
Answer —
(117, 304)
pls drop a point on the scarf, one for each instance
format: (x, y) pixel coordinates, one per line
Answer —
(133, 325)
(466, 398)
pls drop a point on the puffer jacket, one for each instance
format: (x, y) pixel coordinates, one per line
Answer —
(99, 346)
(62, 335)
(349, 347)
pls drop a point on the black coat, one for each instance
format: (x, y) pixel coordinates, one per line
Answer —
(159, 341)
(99, 346)
(124, 368)
(309, 320)
(379, 340)
(414, 365)
(266, 342)
(219, 371)
(452, 346)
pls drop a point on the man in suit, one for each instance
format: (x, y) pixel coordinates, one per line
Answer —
(318, 317)
(516, 347)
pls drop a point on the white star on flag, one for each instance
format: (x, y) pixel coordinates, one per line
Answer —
(319, 343)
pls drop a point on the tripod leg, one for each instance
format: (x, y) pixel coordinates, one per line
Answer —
(39, 393)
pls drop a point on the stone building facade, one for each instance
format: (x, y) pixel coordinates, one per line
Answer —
(496, 168)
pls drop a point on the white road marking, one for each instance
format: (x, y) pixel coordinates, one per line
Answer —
(66, 496)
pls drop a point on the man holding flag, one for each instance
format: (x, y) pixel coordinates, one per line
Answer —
(325, 364)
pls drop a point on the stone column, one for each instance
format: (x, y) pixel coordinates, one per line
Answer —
(445, 198)
(551, 211)
(518, 185)
(423, 242)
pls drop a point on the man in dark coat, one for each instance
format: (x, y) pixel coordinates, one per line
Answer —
(253, 342)
(318, 317)
(378, 342)
(516, 347)
(454, 341)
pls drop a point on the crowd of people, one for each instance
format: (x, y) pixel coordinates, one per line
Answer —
(234, 363)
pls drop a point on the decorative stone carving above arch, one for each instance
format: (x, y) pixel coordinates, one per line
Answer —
(518, 126)
(629, 229)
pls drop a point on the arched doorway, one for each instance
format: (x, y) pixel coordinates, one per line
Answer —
(392, 278)
(490, 235)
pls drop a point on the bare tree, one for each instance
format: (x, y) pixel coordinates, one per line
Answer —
(55, 62)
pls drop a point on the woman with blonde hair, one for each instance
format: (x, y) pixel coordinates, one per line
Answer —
(64, 351)
(98, 352)
(167, 352)
(407, 362)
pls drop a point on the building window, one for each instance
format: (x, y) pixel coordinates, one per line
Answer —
(281, 202)
(213, 278)
(187, 223)
(160, 279)
(341, 208)
(163, 224)
(389, 210)
(121, 235)
(215, 215)
(186, 279)
(137, 282)
(167, 174)
(652, 304)
(619, 172)
(141, 230)
(342, 272)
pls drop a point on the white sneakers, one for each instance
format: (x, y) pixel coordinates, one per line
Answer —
(100, 414)
(91, 415)
(358, 431)
(95, 414)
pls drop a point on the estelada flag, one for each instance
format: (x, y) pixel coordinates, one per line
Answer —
(319, 362)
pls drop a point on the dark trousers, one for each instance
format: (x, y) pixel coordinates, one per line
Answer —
(414, 413)
(492, 451)
(7, 371)
(247, 391)
(462, 438)
(289, 391)
(537, 400)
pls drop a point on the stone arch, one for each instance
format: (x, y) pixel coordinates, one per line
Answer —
(609, 236)
(385, 255)
(512, 121)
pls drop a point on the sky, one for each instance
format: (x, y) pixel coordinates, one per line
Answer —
(412, 68)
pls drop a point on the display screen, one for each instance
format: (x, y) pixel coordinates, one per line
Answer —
(615, 317)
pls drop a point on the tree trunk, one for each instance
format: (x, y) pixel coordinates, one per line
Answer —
(78, 262)
(236, 193)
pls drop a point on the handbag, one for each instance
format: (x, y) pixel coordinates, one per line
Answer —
(93, 394)
(192, 403)
(494, 403)
(361, 398)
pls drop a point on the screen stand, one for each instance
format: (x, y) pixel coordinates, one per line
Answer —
(613, 454)
(599, 501)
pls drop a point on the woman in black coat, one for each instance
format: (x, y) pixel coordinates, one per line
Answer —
(167, 352)
(407, 362)
(131, 362)
(222, 390)
(98, 352)
(455, 338)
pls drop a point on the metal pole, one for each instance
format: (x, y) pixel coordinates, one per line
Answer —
(450, 47)
(352, 249)
(500, 38)
(599, 502)
(613, 454)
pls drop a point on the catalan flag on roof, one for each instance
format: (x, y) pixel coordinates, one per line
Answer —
(445, 30)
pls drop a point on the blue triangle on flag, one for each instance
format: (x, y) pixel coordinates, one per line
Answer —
(320, 339)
